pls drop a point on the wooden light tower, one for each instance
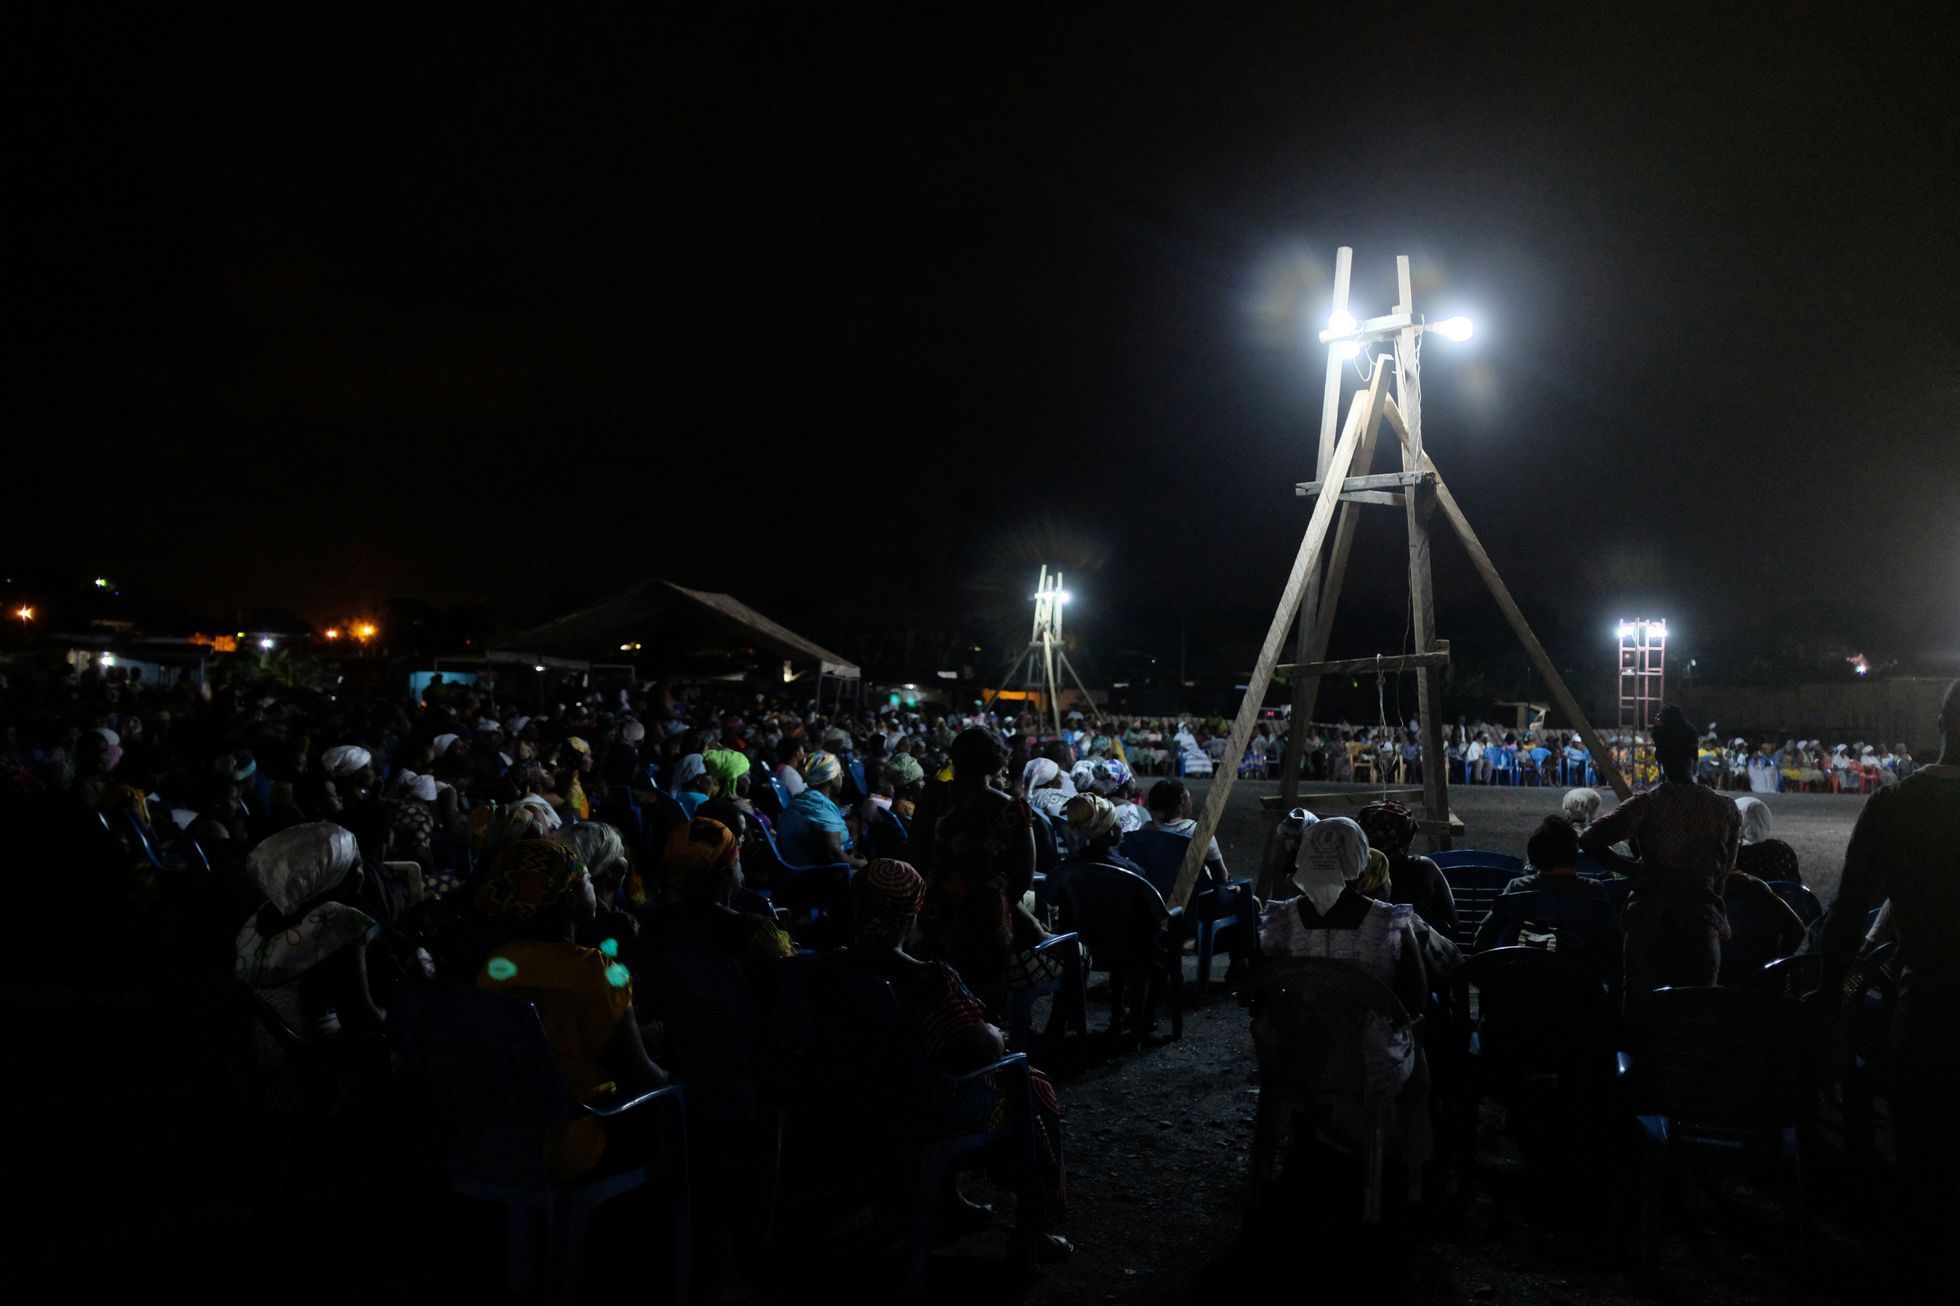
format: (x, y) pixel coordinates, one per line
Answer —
(1045, 654)
(1313, 586)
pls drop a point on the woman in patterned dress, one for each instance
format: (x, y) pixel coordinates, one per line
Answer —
(975, 915)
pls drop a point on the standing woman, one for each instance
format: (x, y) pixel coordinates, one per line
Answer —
(974, 916)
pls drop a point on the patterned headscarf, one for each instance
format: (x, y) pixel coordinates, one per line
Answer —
(528, 878)
(301, 862)
(725, 766)
(1332, 853)
(1112, 773)
(697, 852)
(820, 768)
(903, 769)
(886, 896)
(1090, 815)
(1390, 827)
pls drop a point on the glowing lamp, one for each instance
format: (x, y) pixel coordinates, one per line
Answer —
(333, 632)
(1062, 596)
(24, 612)
(108, 659)
(538, 667)
(265, 644)
(1453, 328)
(102, 582)
(364, 631)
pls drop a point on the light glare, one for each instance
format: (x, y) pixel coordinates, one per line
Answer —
(1454, 328)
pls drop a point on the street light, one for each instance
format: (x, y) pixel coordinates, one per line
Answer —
(25, 613)
(266, 644)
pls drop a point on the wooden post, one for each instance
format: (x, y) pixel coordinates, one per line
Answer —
(1601, 755)
(1262, 671)
(1417, 505)
(1312, 603)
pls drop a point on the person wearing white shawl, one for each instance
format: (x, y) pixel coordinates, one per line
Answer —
(303, 954)
(1759, 855)
(1330, 920)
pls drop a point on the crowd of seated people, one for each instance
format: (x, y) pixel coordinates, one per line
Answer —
(368, 843)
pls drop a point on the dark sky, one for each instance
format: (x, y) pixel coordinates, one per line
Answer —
(863, 320)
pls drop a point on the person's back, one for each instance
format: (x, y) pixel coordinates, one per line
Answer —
(1906, 850)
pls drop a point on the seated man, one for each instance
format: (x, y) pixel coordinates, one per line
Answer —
(1552, 855)
(1170, 811)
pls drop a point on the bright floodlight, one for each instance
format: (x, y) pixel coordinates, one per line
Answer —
(1061, 596)
(265, 643)
(1341, 323)
(1453, 328)
(102, 582)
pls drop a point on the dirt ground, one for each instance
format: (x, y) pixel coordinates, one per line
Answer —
(1158, 1142)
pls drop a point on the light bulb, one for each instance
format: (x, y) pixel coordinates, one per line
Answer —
(1454, 328)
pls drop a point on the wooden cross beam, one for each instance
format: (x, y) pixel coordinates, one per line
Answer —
(1440, 657)
(1378, 481)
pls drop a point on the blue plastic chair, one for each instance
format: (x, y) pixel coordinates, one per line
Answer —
(1586, 927)
(1478, 857)
(1212, 909)
(188, 857)
(889, 835)
(1071, 992)
(871, 1060)
(1132, 934)
(1723, 1069)
(488, 1058)
(1752, 943)
(720, 1045)
(857, 777)
(816, 893)
(1802, 901)
(1476, 890)
(1542, 1017)
(660, 816)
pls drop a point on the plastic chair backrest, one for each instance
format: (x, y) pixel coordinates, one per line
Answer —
(1047, 844)
(863, 1035)
(1475, 889)
(1792, 977)
(1159, 852)
(1587, 926)
(487, 1055)
(1117, 913)
(1727, 1060)
(1752, 943)
(1538, 1011)
(1802, 901)
(1311, 1026)
(712, 1026)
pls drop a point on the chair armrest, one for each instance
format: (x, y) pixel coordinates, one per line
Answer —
(1013, 1061)
(620, 1106)
(1056, 940)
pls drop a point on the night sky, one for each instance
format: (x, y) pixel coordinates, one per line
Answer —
(863, 320)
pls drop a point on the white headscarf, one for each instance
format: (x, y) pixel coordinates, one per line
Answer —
(1083, 776)
(690, 769)
(302, 862)
(109, 737)
(632, 732)
(442, 743)
(1755, 819)
(1581, 806)
(1038, 772)
(345, 760)
(548, 815)
(1332, 852)
(416, 786)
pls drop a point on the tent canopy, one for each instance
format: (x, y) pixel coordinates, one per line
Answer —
(678, 626)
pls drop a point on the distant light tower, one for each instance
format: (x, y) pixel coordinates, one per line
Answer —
(1643, 680)
(1045, 654)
